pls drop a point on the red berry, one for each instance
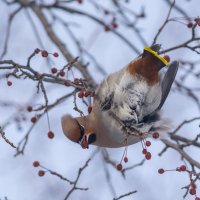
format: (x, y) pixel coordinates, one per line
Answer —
(87, 93)
(106, 28)
(161, 171)
(44, 53)
(119, 167)
(144, 151)
(114, 24)
(33, 119)
(167, 58)
(125, 159)
(54, 70)
(50, 135)
(41, 173)
(29, 108)
(192, 191)
(148, 155)
(193, 185)
(80, 1)
(148, 143)
(36, 164)
(156, 135)
(62, 73)
(81, 94)
(55, 54)
(9, 83)
(182, 168)
(190, 25)
(89, 109)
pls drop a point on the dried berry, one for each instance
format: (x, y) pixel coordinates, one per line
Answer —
(55, 54)
(167, 58)
(161, 171)
(50, 135)
(36, 164)
(9, 83)
(54, 70)
(119, 167)
(44, 53)
(155, 135)
(148, 155)
(190, 25)
(29, 108)
(125, 159)
(148, 143)
(62, 73)
(33, 120)
(182, 168)
(41, 173)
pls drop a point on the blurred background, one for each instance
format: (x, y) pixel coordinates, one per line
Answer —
(105, 35)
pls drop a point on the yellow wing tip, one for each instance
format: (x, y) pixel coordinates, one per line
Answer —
(156, 55)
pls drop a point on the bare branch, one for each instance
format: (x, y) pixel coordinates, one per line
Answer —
(125, 195)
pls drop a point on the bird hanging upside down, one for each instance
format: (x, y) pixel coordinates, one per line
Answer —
(126, 104)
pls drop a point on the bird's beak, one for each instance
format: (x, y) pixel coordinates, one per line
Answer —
(87, 139)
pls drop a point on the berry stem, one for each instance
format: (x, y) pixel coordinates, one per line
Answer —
(48, 122)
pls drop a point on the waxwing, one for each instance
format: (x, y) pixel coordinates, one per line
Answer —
(126, 104)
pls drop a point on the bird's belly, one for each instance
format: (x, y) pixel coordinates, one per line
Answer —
(113, 135)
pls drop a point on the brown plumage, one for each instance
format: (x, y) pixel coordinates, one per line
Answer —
(147, 67)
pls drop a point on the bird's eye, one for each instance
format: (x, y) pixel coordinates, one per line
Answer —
(92, 138)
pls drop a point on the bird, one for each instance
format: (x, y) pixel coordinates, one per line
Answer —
(127, 104)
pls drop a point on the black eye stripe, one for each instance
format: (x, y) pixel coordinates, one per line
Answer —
(82, 131)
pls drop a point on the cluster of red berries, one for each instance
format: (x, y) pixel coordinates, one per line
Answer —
(192, 24)
(45, 53)
(124, 158)
(145, 144)
(40, 172)
(50, 134)
(113, 25)
(85, 93)
(183, 168)
(54, 70)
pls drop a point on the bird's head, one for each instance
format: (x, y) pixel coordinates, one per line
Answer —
(78, 130)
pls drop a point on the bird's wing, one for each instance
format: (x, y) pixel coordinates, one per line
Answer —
(167, 81)
(165, 87)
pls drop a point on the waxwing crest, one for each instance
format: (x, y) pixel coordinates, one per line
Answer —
(72, 128)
